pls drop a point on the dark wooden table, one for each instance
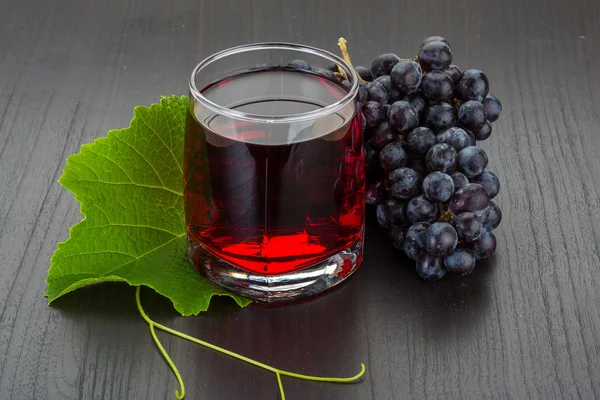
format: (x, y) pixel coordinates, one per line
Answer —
(525, 324)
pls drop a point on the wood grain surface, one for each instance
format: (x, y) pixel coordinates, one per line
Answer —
(525, 324)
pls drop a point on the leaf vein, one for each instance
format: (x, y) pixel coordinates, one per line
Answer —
(131, 226)
(142, 118)
(144, 157)
(143, 255)
(120, 199)
(114, 162)
(126, 183)
(92, 253)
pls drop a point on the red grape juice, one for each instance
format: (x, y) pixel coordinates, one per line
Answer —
(273, 198)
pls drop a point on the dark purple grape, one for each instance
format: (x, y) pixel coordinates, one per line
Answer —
(393, 94)
(397, 234)
(411, 251)
(395, 211)
(383, 64)
(371, 193)
(468, 226)
(392, 156)
(453, 72)
(484, 246)
(441, 157)
(369, 153)
(377, 92)
(326, 74)
(435, 39)
(381, 218)
(483, 214)
(332, 68)
(435, 56)
(440, 117)
(455, 137)
(346, 83)
(493, 107)
(402, 117)
(374, 194)
(471, 138)
(419, 165)
(459, 180)
(440, 239)
(363, 95)
(364, 73)
(414, 150)
(472, 85)
(484, 132)
(421, 209)
(489, 181)
(406, 75)
(430, 267)
(374, 113)
(472, 115)
(494, 217)
(471, 197)
(438, 186)
(420, 140)
(402, 183)
(418, 101)
(386, 81)
(373, 170)
(300, 64)
(381, 136)
(460, 261)
(472, 161)
(413, 241)
(437, 86)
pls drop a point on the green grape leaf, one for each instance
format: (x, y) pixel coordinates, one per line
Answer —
(130, 186)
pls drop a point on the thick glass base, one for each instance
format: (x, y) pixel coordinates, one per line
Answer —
(276, 288)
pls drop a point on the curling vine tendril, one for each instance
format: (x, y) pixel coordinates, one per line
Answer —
(180, 393)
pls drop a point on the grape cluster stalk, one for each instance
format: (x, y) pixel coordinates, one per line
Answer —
(427, 178)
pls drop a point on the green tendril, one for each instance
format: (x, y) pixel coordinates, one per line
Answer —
(170, 362)
(280, 385)
(278, 372)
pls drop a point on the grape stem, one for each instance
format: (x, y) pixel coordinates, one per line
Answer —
(278, 372)
(346, 56)
(445, 215)
(456, 103)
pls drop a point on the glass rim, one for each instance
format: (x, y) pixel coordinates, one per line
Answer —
(289, 118)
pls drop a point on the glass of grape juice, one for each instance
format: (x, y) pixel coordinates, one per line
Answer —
(274, 171)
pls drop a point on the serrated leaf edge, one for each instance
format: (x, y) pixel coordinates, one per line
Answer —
(242, 302)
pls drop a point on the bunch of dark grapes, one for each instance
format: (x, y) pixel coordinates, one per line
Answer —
(427, 178)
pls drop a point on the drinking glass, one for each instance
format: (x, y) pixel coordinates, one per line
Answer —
(274, 170)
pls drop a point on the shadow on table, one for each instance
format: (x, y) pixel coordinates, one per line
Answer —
(117, 300)
(387, 276)
(328, 335)
(455, 300)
